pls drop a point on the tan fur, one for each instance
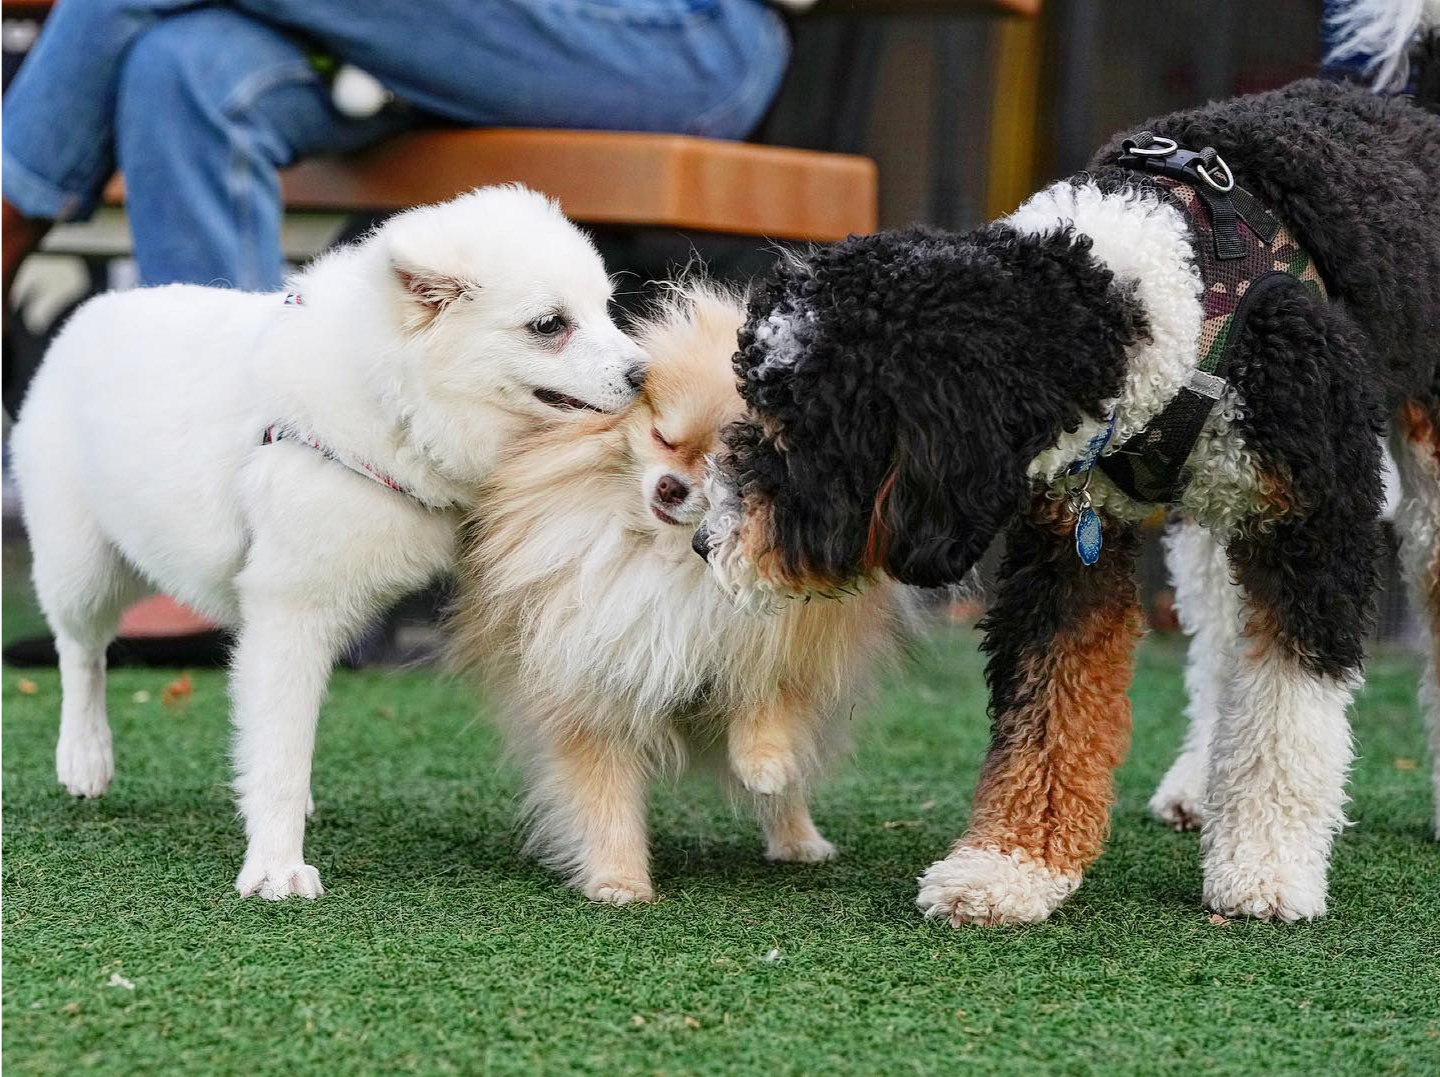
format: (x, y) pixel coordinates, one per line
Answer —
(611, 652)
(1047, 792)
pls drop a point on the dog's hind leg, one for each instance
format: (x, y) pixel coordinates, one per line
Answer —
(83, 584)
(1307, 565)
(1278, 760)
(1208, 605)
(1061, 640)
(1415, 445)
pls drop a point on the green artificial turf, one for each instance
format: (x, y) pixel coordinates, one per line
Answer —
(439, 949)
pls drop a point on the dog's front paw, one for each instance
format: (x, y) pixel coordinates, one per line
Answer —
(976, 885)
(1265, 894)
(617, 891)
(814, 850)
(275, 882)
(84, 762)
(1179, 801)
(765, 769)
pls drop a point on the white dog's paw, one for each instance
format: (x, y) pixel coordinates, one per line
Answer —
(84, 763)
(1265, 893)
(814, 850)
(986, 886)
(309, 807)
(615, 891)
(277, 882)
(1179, 801)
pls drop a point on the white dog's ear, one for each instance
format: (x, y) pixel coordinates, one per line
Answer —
(429, 292)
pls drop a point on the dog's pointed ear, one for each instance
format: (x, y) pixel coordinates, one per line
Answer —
(429, 292)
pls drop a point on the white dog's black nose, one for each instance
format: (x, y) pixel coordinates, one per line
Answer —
(671, 490)
(700, 542)
(635, 377)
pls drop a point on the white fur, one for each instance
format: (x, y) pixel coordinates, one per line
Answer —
(139, 459)
(748, 591)
(1208, 606)
(1383, 30)
(1279, 755)
(784, 348)
(987, 886)
(1417, 521)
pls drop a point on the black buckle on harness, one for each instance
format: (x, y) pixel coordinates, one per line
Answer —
(1210, 177)
(1150, 467)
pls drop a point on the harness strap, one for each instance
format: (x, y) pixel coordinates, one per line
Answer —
(280, 432)
(1242, 251)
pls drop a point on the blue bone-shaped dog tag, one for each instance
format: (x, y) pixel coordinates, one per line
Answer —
(1088, 536)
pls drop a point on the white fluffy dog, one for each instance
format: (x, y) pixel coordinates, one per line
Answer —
(290, 464)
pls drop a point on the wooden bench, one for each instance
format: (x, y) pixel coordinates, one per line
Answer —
(601, 177)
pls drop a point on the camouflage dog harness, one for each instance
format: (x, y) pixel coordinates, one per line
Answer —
(1242, 251)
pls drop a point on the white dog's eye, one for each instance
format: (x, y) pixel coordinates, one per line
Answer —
(550, 325)
(655, 433)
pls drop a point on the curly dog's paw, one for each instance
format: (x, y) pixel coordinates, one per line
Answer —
(1265, 893)
(986, 886)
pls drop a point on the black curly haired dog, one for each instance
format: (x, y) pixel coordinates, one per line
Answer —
(1139, 334)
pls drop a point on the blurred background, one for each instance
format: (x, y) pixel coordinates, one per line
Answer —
(963, 106)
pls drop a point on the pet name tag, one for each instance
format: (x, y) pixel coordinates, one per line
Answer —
(1088, 536)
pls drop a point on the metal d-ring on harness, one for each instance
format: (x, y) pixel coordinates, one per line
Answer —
(1241, 251)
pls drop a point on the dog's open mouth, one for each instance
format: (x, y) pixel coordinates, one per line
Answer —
(564, 402)
(663, 516)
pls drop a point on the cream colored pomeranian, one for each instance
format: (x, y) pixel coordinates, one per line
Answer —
(609, 650)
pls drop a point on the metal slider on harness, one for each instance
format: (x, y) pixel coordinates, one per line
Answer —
(1207, 385)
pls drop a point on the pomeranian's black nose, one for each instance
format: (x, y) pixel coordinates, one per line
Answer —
(635, 377)
(670, 490)
(700, 542)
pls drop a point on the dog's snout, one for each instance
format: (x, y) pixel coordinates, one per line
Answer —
(671, 490)
(635, 376)
(700, 542)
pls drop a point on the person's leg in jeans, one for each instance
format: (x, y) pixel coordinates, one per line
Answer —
(58, 134)
(202, 104)
(706, 67)
(211, 103)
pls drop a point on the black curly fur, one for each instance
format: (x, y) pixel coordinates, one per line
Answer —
(933, 368)
(1313, 416)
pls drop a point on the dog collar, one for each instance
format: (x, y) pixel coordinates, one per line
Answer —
(1242, 251)
(281, 432)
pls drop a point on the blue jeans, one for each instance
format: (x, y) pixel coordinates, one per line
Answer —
(200, 103)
